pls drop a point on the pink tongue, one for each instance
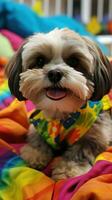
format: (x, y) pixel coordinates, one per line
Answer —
(56, 93)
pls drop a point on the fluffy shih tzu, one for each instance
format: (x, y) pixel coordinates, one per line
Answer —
(66, 76)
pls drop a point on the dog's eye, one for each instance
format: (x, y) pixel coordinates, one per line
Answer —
(72, 62)
(41, 61)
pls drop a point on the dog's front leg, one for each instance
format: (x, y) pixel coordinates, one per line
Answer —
(69, 168)
(36, 152)
(66, 169)
(80, 157)
(76, 161)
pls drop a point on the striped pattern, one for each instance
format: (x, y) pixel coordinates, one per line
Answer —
(19, 182)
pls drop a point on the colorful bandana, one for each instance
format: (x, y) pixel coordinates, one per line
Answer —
(68, 131)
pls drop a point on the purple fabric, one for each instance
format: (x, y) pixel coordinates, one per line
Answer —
(8, 101)
(2, 106)
(73, 184)
(5, 154)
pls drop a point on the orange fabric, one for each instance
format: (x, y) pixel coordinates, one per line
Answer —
(107, 155)
(14, 122)
(99, 188)
(13, 127)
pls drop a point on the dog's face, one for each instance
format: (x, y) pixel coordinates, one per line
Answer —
(59, 71)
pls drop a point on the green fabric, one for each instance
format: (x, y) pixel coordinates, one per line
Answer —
(5, 47)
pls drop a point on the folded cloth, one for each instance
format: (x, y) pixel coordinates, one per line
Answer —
(94, 185)
(14, 39)
(19, 182)
(14, 121)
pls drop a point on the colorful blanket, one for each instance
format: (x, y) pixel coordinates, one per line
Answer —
(19, 182)
(17, 17)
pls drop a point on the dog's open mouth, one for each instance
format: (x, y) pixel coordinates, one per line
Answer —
(56, 93)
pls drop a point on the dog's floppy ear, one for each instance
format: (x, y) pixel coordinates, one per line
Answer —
(102, 75)
(13, 70)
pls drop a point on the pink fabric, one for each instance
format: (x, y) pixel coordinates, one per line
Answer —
(30, 106)
(71, 186)
(14, 39)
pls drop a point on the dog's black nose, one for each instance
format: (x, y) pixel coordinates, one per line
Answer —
(55, 76)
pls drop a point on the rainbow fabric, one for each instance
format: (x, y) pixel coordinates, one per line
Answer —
(58, 132)
(5, 96)
(14, 121)
(19, 182)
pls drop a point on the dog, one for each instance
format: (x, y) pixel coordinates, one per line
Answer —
(63, 73)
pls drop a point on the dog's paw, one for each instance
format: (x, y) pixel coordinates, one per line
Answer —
(35, 158)
(66, 169)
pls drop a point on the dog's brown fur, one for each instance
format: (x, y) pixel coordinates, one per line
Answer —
(94, 72)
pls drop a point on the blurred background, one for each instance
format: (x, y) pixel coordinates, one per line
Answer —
(21, 18)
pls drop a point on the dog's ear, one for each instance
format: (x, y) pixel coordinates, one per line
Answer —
(102, 75)
(13, 70)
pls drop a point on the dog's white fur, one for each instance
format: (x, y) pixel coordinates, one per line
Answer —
(56, 44)
(81, 82)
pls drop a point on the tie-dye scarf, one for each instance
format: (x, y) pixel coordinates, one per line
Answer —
(68, 131)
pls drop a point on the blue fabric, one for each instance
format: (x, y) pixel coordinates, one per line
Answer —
(19, 18)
